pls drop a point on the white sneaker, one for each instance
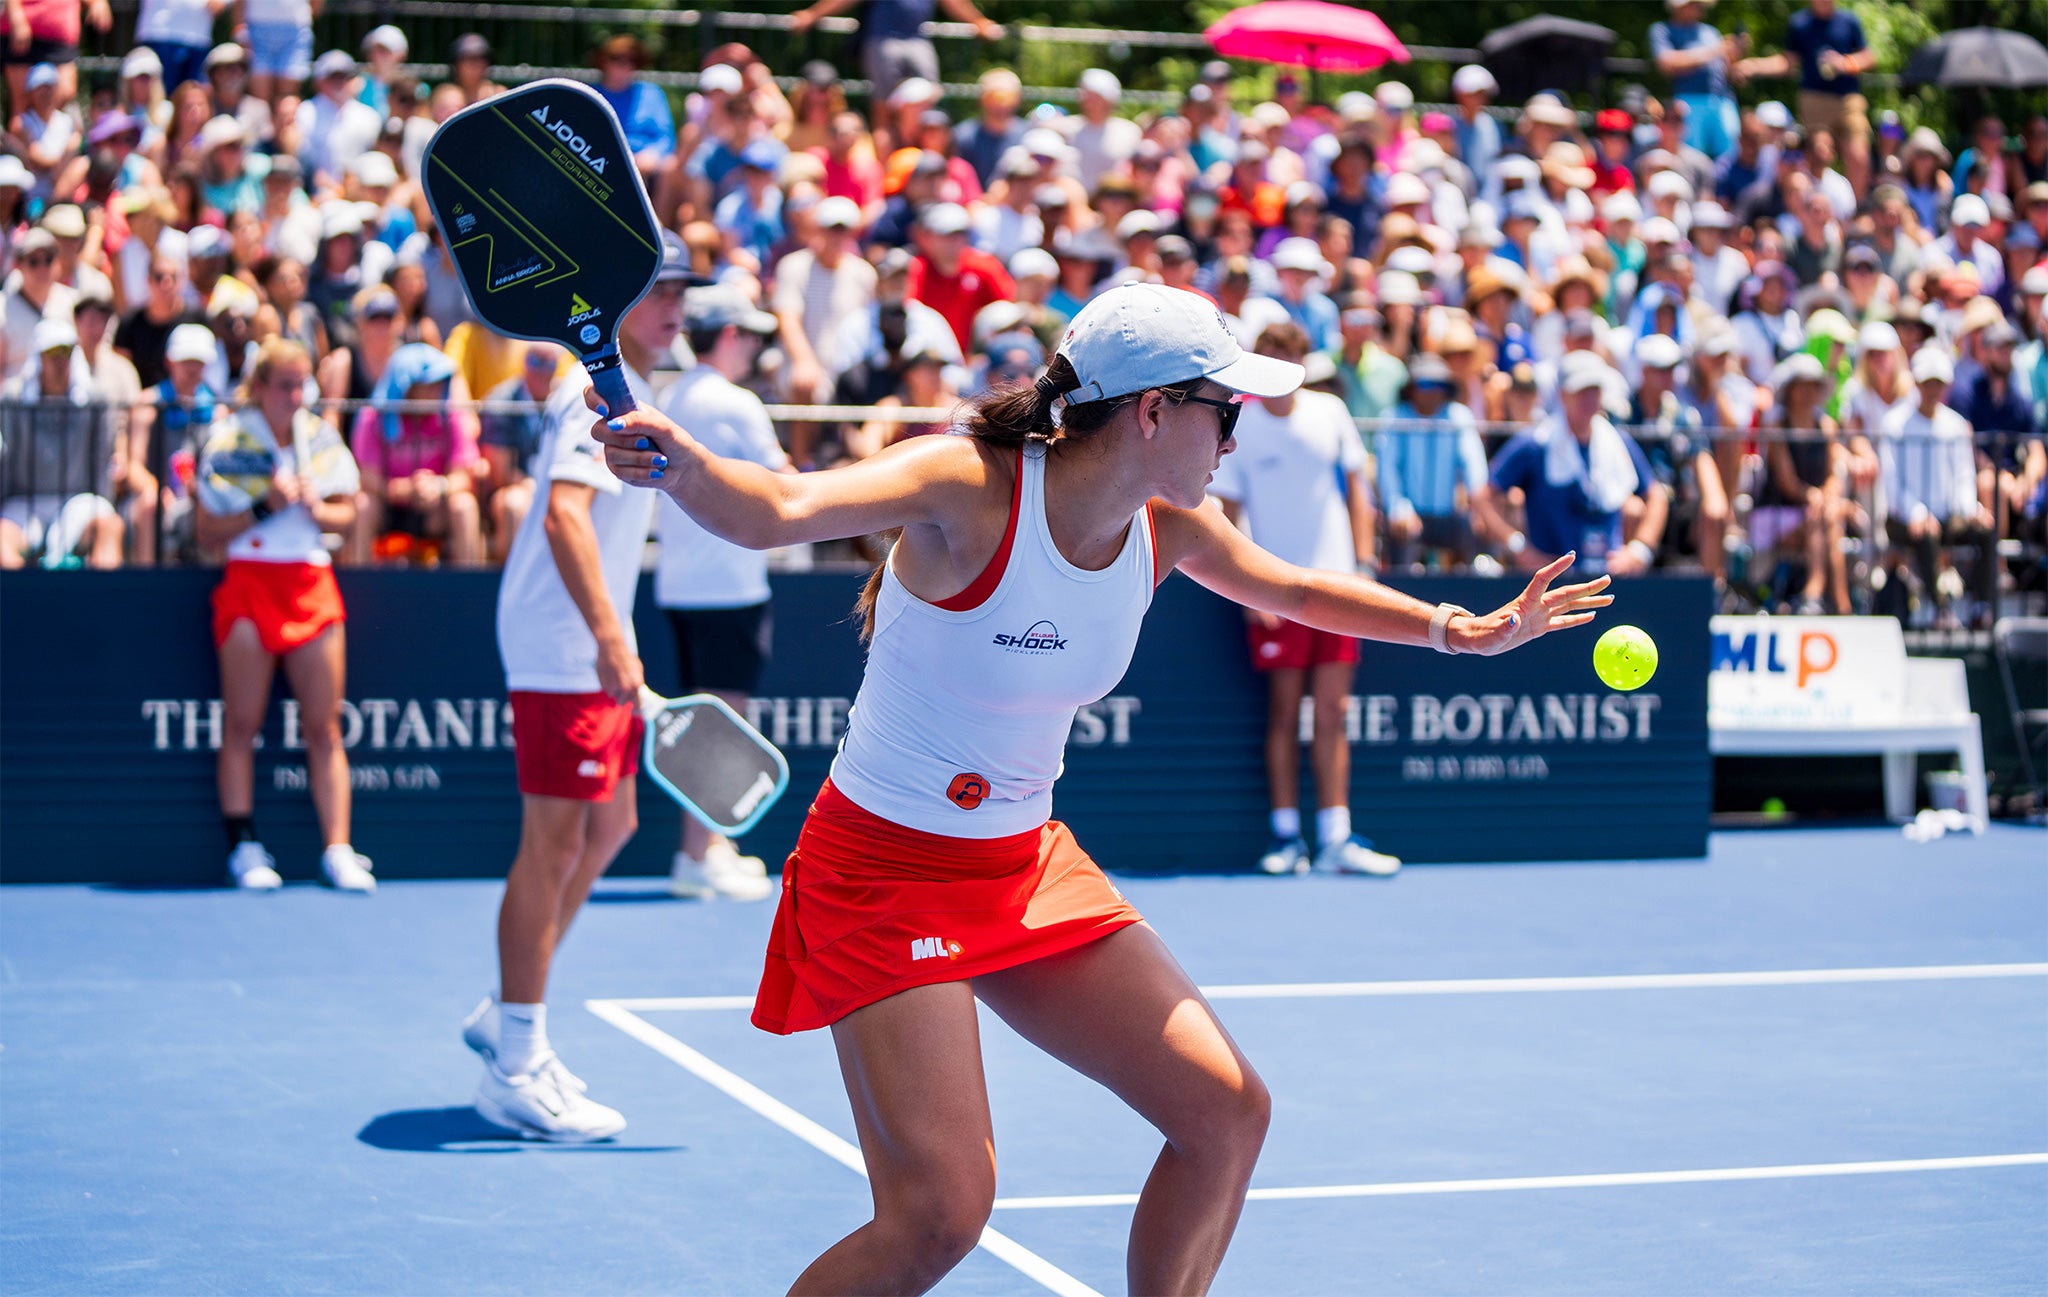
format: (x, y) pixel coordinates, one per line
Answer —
(252, 868)
(480, 1033)
(1354, 855)
(538, 1106)
(746, 866)
(1285, 856)
(716, 876)
(347, 870)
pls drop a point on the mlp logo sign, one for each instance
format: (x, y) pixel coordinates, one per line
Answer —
(1805, 670)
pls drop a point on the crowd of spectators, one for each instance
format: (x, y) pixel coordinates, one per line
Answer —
(1799, 348)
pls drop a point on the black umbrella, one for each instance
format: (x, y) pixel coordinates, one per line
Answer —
(1992, 57)
(1546, 53)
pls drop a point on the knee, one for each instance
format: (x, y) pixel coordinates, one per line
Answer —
(936, 1230)
(322, 732)
(462, 509)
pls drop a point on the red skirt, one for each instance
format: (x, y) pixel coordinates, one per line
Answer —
(290, 604)
(870, 908)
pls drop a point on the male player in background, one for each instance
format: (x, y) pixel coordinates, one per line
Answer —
(716, 592)
(565, 633)
(1282, 487)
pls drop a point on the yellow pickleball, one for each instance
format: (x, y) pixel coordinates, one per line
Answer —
(1625, 658)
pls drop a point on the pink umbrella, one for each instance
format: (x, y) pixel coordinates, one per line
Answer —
(1307, 33)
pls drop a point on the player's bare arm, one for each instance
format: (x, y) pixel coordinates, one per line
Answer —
(1202, 543)
(573, 542)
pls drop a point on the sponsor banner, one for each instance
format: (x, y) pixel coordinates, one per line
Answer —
(109, 707)
(1806, 672)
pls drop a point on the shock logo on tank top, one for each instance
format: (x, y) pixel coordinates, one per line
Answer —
(1039, 637)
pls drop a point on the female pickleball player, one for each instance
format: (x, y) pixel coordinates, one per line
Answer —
(274, 479)
(928, 872)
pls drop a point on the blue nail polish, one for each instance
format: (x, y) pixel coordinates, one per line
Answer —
(655, 473)
(615, 424)
(603, 409)
(642, 444)
(660, 462)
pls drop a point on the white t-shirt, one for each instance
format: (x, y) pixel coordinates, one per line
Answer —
(1103, 148)
(1285, 473)
(176, 22)
(1927, 465)
(297, 12)
(542, 638)
(823, 298)
(696, 568)
(334, 135)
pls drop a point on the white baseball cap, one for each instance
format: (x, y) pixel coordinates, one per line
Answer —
(52, 332)
(1669, 184)
(374, 170)
(1621, 205)
(1932, 365)
(1101, 81)
(1136, 223)
(1298, 254)
(1658, 351)
(1398, 288)
(720, 76)
(945, 218)
(1138, 336)
(1411, 259)
(386, 37)
(1588, 373)
(1044, 142)
(1969, 209)
(1030, 263)
(914, 90)
(2032, 284)
(1405, 188)
(220, 131)
(1658, 229)
(1774, 115)
(142, 61)
(1474, 80)
(190, 342)
(1394, 96)
(838, 212)
(1878, 335)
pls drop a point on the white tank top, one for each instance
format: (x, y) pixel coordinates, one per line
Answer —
(960, 726)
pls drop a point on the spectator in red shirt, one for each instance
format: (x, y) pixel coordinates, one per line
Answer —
(1612, 128)
(952, 278)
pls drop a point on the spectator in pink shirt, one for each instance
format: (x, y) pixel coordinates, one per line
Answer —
(851, 169)
(416, 467)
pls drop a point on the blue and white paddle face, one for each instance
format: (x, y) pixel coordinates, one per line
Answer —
(715, 765)
(536, 195)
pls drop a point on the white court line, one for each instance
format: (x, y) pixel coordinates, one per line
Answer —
(1505, 985)
(1005, 1248)
(1403, 1189)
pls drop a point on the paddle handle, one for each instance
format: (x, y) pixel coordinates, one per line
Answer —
(608, 376)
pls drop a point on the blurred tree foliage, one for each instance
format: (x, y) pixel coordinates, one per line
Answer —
(1894, 28)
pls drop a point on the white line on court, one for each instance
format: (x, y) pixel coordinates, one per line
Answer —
(1021, 1258)
(1504, 985)
(1403, 1189)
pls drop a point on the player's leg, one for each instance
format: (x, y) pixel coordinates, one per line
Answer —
(719, 651)
(553, 835)
(913, 1072)
(1338, 848)
(317, 671)
(1122, 1011)
(609, 827)
(1285, 686)
(246, 670)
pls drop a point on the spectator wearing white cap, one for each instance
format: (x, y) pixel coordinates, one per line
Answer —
(385, 47)
(1299, 266)
(1968, 217)
(1103, 142)
(166, 430)
(332, 127)
(1011, 222)
(48, 132)
(1587, 489)
(1478, 133)
(1680, 456)
(179, 33)
(1802, 501)
(1934, 497)
(815, 288)
(1036, 273)
(230, 177)
(55, 499)
(34, 292)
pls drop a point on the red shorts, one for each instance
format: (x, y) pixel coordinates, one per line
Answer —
(290, 604)
(1291, 646)
(577, 746)
(870, 908)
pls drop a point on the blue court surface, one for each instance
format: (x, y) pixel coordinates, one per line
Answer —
(1816, 1062)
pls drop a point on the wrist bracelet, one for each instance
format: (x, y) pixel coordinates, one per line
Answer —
(1641, 549)
(261, 510)
(1440, 626)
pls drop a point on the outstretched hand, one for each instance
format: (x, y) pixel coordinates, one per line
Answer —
(1537, 611)
(638, 445)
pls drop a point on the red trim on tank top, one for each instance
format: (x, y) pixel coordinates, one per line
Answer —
(1152, 534)
(979, 589)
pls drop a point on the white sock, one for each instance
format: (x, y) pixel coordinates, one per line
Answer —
(522, 1037)
(1333, 825)
(1287, 823)
(343, 847)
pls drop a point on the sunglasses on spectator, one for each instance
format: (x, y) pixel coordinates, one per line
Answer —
(39, 260)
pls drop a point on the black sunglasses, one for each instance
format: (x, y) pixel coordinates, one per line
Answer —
(1227, 424)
